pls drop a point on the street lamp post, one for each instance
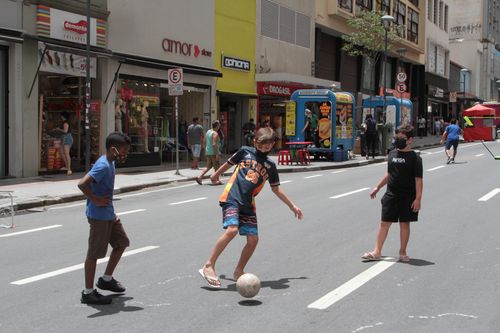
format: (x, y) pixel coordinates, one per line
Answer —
(386, 20)
(464, 71)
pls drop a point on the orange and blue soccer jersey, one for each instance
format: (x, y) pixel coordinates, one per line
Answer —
(247, 180)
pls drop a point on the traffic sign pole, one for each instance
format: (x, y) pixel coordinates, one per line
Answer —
(177, 135)
(175, 88)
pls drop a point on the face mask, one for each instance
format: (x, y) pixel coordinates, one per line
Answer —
(261, 153)
(400, 143)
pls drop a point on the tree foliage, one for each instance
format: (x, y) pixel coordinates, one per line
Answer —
(368, 38)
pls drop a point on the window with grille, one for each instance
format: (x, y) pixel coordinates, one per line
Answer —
(345, 5)
(303, 35)
(412, 33)
(430, 4)
(384, 6)
(399, 13)
(441, 14)
(287, 25)
(363, 5)
(415, 2)
(446, 18)
(435, 12)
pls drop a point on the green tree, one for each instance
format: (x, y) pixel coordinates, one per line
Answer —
(368, 38)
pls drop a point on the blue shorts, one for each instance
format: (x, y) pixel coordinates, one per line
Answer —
(196, 150)
(451, 143)
(231, 215)
(67, 139)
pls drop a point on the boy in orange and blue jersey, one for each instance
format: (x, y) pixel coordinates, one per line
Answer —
(253, 169)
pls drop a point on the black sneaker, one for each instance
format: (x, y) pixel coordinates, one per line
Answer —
(95, 298)
(113, 285)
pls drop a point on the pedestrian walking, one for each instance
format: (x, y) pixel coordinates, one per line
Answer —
(371, 135)
(421, 126)
(195, 140)
(437, 127)
(212, 152)
(451, 136)
(253, 169)
(402, 200)
(105, 226)
(66, 143)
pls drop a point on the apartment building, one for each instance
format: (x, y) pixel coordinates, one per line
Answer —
(354, 73)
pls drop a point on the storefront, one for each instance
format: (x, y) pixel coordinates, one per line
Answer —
(437, 100)
(145, 112)
(61, 37)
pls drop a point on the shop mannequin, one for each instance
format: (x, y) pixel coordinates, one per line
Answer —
(144, 123)
(118, 115)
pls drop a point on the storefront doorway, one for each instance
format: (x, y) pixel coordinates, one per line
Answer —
(233, 115)
(4, 135)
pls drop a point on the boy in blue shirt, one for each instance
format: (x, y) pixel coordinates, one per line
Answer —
(105, 227)
(452, 135)
(253, 169)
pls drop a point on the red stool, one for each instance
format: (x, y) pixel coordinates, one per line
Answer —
(304, 156)
(284, 157)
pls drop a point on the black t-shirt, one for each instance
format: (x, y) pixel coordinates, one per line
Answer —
(371, 126)
(403, 168)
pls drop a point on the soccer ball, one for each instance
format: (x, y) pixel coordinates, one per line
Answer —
(248, 285)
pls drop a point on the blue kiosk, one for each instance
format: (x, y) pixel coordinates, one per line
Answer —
(398, 111)
(334, 113)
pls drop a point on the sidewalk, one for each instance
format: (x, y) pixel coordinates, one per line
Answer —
(54, 189)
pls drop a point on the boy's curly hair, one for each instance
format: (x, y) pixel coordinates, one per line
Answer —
(405, 130)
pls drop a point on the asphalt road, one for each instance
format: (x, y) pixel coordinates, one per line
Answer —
(312, 277)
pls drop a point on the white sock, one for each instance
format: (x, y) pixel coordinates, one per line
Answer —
(107, 278)
(88, 291)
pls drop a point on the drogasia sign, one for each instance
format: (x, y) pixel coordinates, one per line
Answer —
(234, 63)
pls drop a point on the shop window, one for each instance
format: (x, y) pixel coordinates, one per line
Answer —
(58, 95)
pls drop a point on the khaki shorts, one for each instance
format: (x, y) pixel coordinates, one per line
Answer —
(103, 233)
(211, 162)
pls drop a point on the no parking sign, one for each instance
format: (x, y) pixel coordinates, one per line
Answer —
(175, 82)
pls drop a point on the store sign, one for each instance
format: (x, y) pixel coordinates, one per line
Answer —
(290, 118)
(65, 63)
(59, 24)
(234, 63)
(453, 96)
(184, 48)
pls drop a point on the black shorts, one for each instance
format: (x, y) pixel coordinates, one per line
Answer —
(397, 208)
(451, 143)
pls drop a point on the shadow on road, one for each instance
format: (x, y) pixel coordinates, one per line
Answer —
(282, 283)
(116, 307)
(419, 262)
(249, 302)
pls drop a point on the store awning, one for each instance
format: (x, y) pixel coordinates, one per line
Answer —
(296, 78)
(11, 35)
(136, 60)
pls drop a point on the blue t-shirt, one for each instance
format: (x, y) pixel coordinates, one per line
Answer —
(453, 132)
(103, 174)
(251, 172)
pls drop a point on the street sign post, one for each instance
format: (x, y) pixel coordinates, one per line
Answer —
(175, 88)
(401, 87)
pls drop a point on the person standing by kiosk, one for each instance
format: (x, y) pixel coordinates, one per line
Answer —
(371, 136)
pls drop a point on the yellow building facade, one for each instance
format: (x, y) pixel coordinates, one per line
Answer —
(234, 56)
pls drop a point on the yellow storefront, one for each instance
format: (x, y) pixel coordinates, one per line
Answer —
(234, 56)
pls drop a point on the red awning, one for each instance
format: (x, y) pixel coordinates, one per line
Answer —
(479, 110)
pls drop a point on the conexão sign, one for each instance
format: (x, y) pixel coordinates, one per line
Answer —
(233, 63)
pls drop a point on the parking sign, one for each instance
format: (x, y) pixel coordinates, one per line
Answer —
(175, 82)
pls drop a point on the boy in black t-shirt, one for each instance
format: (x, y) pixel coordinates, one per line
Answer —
(401, 202)
(253, 169)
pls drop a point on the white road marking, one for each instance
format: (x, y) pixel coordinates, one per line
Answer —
(286, 181)
(489, 195)
(479, 155)
(351, 285)
(349, 193)
(31, 230)
(77, 267)
(130, 212)
(315, 176)
(438, 167)
(339, 171)
(186, 201)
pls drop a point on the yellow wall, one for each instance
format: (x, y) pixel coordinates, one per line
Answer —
(235, 36)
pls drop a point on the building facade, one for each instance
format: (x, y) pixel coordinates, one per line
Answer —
(354, 73)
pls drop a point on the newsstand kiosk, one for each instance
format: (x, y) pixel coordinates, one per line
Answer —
(398, 112)
(335, 127)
